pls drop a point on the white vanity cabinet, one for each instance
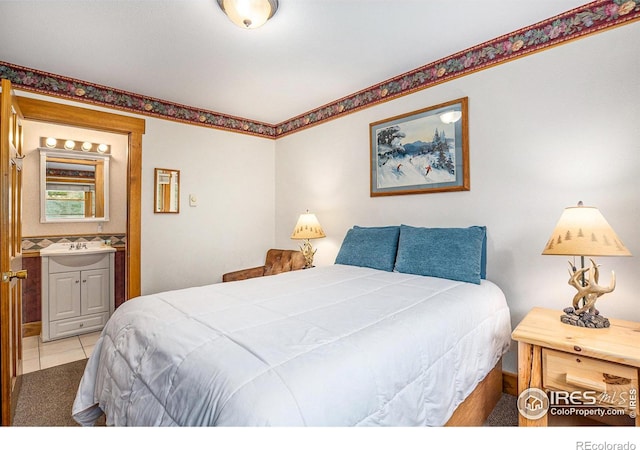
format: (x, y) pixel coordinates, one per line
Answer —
(77, 292)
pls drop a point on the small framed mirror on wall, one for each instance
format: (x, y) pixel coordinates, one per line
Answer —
(167, 191)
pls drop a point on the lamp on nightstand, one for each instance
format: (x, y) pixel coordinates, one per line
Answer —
(583, 231)
(307, 228)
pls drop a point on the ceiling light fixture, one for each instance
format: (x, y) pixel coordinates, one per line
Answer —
(249, 13)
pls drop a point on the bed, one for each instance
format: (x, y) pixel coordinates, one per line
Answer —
(340, 345)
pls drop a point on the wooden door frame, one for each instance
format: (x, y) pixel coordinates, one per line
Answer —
(134, 128)
(10, 318)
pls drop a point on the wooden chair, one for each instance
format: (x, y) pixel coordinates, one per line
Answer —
(277, 261)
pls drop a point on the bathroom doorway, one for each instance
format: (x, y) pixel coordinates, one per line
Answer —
(128, 129)
(56, 113)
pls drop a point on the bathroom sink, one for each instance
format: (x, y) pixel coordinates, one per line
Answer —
(73, 248)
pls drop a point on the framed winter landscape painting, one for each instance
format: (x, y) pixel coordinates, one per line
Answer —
(422, 151)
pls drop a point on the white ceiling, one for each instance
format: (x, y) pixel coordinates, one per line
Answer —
(310, 53)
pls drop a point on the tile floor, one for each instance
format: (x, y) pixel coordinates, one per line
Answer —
(38, 355)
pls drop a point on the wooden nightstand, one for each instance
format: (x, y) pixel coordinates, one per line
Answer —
(596, 365)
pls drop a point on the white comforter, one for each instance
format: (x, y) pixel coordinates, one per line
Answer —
(331, 346)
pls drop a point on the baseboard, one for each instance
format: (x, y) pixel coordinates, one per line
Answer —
(510, 383)
(31, 329)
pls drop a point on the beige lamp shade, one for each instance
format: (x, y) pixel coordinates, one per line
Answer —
(307, 227)
(583, 231)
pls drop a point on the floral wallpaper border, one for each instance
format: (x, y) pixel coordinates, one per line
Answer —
(34, 80)
(591, 18)
(576, 23)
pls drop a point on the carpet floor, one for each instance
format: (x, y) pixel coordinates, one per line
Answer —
(46, 398)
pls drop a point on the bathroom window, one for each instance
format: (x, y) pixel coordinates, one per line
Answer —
(69, 202)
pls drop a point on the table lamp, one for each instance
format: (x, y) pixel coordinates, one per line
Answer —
(307, 228)
(583, 231)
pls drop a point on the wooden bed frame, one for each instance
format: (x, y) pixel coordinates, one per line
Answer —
(475, 409)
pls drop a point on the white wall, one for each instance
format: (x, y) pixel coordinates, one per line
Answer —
(545, 131)
(232, 226)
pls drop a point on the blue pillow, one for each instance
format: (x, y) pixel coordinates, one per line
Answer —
(373, 247)
(452, 253)
(483, 260)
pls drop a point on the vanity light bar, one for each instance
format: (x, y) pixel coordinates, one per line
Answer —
(70, 144)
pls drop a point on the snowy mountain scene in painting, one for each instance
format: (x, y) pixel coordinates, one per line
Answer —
(416, 152)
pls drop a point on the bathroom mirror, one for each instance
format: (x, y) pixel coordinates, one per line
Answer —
(167, 191)
(74, 186)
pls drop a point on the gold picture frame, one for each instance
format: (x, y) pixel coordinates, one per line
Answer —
(421, 152)
(166, 194)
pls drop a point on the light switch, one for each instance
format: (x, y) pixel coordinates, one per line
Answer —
(193, 200)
